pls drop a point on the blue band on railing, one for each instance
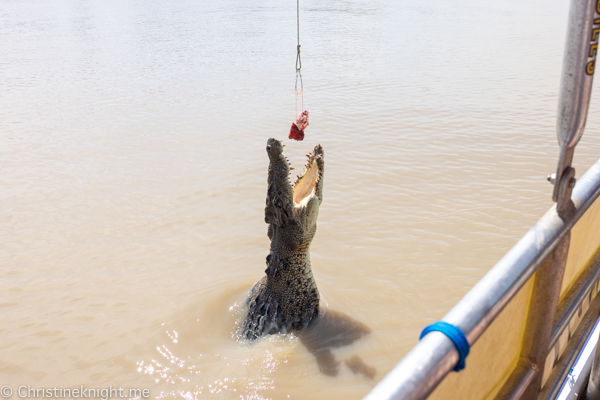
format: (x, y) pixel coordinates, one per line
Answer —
(456, 335)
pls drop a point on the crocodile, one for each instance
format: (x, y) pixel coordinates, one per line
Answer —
(287, 298)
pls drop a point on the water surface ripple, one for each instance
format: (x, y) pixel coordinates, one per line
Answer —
(133, 180)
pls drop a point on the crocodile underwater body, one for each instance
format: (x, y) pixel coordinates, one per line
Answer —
(287, 298)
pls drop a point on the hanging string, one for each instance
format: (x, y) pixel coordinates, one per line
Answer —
(297, 128)
(298, 62)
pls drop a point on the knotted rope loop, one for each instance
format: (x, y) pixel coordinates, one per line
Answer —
(298, 60)
(298, 72)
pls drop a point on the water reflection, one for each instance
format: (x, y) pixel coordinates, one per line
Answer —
(332, 330)
(184, 355)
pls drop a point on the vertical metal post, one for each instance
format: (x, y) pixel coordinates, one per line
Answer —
(538, 328)
(579, 65)
(578, 71)
(575, 90)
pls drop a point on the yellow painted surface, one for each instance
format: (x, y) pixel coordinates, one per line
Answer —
(492, 357)
(495, 354)
(585, 242)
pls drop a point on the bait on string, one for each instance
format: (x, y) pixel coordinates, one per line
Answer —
(297, 129)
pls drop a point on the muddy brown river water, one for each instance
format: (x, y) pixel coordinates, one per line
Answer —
(133, 180)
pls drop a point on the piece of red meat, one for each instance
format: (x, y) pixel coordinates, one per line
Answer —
(296, 133)
(297, 129)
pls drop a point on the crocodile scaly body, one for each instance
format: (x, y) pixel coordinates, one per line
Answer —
(287, 298)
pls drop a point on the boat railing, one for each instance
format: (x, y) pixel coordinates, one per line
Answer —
(534, 269)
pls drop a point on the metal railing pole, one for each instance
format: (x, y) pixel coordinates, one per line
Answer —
(575, 90)
(417, 375)
(593, 389)
(547, 243)
(583, 34)
(576, 342)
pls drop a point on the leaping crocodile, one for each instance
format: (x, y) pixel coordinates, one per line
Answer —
(287, 298)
